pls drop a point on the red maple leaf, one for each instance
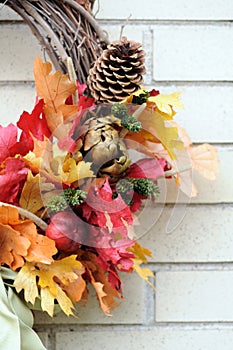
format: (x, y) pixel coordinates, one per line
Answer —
(8, 138)
(100, 207)
(9, 146)
(149, 168)
(35, 123)
(11, 178)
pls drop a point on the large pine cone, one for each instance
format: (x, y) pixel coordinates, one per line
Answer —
(98, 141)
(118, 72)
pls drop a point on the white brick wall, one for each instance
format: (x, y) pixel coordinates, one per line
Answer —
(189, 48)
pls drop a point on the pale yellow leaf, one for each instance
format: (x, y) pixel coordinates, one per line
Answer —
(166, 103)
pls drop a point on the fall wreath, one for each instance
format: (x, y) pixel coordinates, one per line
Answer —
(71, 190)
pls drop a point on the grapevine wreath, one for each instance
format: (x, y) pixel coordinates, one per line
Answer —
(71, 189)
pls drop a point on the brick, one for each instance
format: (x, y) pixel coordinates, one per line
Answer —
(194, 296)
(190, 234)
(217, 191)
(193, 52)
(207, 106)
(155, 9)
(132, 32)
(162, 339)
(131, 310)
(14, 99)
(7, 14)
(18, 50)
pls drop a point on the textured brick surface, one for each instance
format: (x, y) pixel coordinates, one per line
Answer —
(193, 52)
(161, 339)
(21, 47)
(14, 99)
(156, 9)
(192, 296)
(188, 234)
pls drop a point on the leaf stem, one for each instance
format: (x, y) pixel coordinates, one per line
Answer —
(40, 223)
(175, 171)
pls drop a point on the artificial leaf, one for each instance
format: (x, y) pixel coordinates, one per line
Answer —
(204, 160)
(99, 202)
(20, 240)
(149, 168)
(9, 146)
(35, 123)
(72, 172)
(8, 138)
(54, 89)
(13, 246)
(48, 286)
(27, 279)
(76, 288)
(106, 294)
(144, 272)
(166, 103)
(32, 198)
(154, 124)
(140, 254)
(12, 175)
(41, 248)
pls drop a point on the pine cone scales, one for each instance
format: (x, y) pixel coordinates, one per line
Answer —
(118, 72)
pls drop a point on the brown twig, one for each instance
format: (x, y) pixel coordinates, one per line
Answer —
(27, 214)
(64, 28)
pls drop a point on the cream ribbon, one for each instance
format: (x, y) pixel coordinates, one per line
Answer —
(16, 319)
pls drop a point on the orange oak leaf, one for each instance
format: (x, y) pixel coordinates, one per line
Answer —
(204, 160)
(76, 288)
(20, 241)
(54, 89)
(106, 294)
(13, 246)
(41, 248)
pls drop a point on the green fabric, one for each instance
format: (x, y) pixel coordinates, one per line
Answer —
(16, 319)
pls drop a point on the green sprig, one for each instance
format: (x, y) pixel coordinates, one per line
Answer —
(141, 98)
(70, 197)
(130, 123)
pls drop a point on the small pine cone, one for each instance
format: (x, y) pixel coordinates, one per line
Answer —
(118, 72)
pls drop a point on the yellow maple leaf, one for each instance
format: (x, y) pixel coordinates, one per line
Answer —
(140, 254)
(72, 172)
(153, 123)
(48, 286)
(166, 102)
(144, 272)
(30, 198)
